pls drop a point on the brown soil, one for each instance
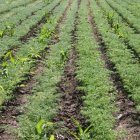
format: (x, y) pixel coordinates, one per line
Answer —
(8, 115)
(71, 102)
(127, 116)
(12, 110)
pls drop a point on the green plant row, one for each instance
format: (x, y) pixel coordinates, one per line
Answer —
(43, 104)
(20, 14)
(114, 19)
(127, 15)
(94, 78)
(132, 7)
(120, 28)
(13, 71)
(7, 42)
(7, 6)
(127, 67)
(134, 2)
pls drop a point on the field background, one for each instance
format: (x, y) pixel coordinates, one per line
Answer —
(69, 70)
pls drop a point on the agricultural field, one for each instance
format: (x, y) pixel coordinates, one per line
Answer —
(69, 70)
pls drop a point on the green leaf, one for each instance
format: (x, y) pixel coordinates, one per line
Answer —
(52, 137)
(39, 126)
(1, 88)
(49, 123)
(90, 127)
(1, 33)
(77, 123)
(75, 135)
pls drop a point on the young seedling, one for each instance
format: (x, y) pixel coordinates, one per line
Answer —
(45, 34)
(9, 55)
(1, 88)
(1, 33)
(9, 29)
(34, 54)
(63, 55)
(44, 129)
(110, 18)
(82, 134)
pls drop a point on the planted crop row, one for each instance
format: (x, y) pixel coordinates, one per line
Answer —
(94, 78)
(20, 14)
(8, 42)
(125, 14)
(120, 28)
(134, 2)
(14, 70)
(133, 7)
(14, 12)
(4, 8)
(120, 56)
(43, 104)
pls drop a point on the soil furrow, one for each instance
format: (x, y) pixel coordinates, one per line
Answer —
(33, 32)
(136, 31)
(71, 102)
(134, 53)
(9, 114)
(11, 109)
(127, 116)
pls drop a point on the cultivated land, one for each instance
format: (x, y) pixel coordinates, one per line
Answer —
(69, 70)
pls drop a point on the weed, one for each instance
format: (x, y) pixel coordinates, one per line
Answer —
(110, 18)
(44, 129)
(63, 55)
(82, 134)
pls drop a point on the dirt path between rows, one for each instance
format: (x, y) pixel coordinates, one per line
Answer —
(71, 102)
(12, 110)
(127, 118)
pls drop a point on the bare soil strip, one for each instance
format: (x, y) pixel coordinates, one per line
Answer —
(134, 53)
(9, 114)
(33, 32)
(127, 116)
(71, 102)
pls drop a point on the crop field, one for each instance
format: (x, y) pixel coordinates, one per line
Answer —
(69, 70)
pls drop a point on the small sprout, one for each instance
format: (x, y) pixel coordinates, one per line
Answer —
(9, 55)
(1, 87)
(44, 129)
(40, 126)
(52, 137)
(5, 72)
(45, 34)
(22, 85)
(82, 134)
(110, 18)
(63, 55)
(1, 33)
